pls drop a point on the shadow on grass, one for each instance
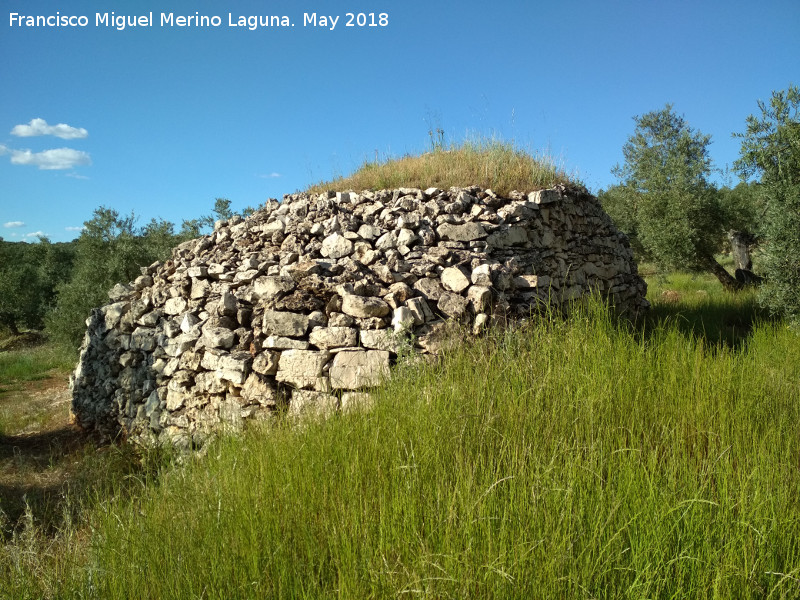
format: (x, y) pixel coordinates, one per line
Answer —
(719, 324)
(49, 477)
(36, 470)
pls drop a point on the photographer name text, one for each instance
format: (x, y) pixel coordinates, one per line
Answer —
(251, 22)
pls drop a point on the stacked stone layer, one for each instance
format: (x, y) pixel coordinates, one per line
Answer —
(308, 302)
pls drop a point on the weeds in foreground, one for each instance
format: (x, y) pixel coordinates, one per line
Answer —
(565, 459)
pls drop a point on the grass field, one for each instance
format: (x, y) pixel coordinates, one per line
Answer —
(575, 458)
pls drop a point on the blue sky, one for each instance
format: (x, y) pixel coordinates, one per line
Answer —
(162, 120)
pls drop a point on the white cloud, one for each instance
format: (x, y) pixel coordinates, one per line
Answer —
(58, 158)
(4, 149)
(40, 127)
(76, 176)
(14, 224)
(74, 228)
(35, 234)
(270, 176)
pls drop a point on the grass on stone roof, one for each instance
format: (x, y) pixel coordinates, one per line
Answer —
(501, 166)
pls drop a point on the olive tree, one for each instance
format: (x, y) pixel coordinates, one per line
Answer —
(771, 151)
(665, 198)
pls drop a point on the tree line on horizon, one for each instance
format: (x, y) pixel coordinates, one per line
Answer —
(53, 286)
(664, 201)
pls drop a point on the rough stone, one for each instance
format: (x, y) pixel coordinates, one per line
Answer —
(364, 307)
(336, 246)
(333, 337)
(284, 323)
(323, 291)
(467, 232)
(355, 369)
(218, 337)
(454, 280)
(302, 368)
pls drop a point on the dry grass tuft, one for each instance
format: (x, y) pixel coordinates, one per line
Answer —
(489, 164)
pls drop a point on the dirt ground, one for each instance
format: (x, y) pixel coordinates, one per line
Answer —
(41, 451)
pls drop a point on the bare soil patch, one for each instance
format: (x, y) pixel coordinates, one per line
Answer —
(40, 450)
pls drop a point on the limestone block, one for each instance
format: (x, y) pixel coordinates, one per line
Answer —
(387, 241)
(466, 232)
(197, 272)
(430, 288)
(284, 323)
(228, 304)
(152, 403)
(369, 232)
(333, 337)
(544, 196)
(454, 280)
(531, 281)
(234, 367)
(307, 403)
(420, 310)
(407, 238)
(511, 236)
(177, 346)
(210, 360)
(188, 321)
(269, 286)
(218, 337)
(266, 362)
(208, 382)
(480, 298)
(112, 313)
(277, 342)
(336, 246)
(480, 323)
(452, 305)
(176, 398)
(364, 307)
(200, 289)
(118, 292)
(379, 339)
(354, 369)
(144, 339)
(403, 319)
(257, 390)
(302, 368)
(482, 275)
(175, 306)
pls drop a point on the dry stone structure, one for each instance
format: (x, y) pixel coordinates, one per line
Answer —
(307, 302)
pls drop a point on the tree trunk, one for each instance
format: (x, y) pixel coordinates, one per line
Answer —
(729, 283)
(740, 242)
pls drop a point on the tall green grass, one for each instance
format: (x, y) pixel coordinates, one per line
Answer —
(568, 459)
(33, 363)
(697, 305)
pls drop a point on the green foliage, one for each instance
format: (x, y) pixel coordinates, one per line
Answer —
(110, 250)
(29, 275)
(192, 228)
(771, 151)
(665, 199)
(742, 207)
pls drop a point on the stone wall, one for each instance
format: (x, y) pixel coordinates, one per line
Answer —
(310, 300)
